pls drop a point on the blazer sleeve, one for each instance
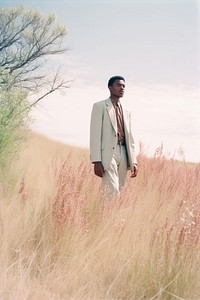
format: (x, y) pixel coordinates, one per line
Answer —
(96, 132)
(132, 143)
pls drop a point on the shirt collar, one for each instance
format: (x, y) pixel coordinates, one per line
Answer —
(116, 103)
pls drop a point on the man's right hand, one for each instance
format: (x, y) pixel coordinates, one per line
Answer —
(98, 169)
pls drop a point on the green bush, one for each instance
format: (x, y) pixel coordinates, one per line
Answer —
(14, 118)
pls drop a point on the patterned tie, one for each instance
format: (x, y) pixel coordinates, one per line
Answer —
(120, 123)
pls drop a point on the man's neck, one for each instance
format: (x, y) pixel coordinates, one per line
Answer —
(114, 99)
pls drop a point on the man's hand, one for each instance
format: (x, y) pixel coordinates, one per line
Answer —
(134, 171)
(98, 169)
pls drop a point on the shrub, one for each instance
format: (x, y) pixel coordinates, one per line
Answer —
(14, 110)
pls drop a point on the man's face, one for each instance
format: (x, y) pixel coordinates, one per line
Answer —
(117, 89)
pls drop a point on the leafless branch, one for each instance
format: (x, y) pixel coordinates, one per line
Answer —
(27, 39)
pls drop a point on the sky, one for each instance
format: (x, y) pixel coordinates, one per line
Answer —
(154, 44)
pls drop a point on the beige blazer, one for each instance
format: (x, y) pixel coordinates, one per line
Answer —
(103, 133)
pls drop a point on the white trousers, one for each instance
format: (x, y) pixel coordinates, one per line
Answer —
(114, 177)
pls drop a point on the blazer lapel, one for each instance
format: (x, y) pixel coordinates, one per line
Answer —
(125, 117)
(111, 112)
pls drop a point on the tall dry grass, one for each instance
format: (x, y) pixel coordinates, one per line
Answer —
(59, 240)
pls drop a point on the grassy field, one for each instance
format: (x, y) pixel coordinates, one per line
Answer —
(60, 240)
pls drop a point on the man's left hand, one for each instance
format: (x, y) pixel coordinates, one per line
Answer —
(134, 171)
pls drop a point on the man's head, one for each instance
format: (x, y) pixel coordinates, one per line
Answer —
(116, 85)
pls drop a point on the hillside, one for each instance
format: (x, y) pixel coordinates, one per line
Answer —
(59, 240)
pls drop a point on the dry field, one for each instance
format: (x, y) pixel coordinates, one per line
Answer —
(60, 240)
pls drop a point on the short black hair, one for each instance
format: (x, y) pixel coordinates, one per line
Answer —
(112, 80)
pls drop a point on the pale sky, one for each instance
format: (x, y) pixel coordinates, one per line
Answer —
(153, 44)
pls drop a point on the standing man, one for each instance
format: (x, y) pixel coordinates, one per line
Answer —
(112, 148)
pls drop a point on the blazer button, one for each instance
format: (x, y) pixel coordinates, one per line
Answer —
(113, 148)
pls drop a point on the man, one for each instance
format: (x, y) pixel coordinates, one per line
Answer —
(112, 148)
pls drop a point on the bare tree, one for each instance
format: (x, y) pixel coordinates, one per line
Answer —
(27, 40)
